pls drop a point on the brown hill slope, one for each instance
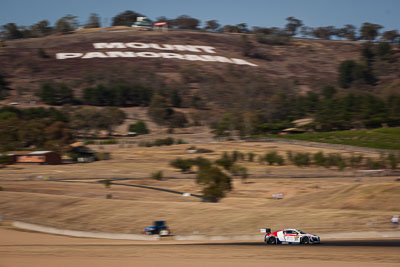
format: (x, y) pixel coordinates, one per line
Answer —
(306, 62)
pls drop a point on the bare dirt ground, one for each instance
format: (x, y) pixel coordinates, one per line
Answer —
(34, 249)
(71, 196)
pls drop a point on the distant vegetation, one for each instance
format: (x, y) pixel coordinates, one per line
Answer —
(53, 129)
(273, 35)
(161, 142)
(383, 138)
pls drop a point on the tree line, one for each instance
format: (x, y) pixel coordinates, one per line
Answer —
(69, 23)
(331, 112)
(53, 129)
(160, 104)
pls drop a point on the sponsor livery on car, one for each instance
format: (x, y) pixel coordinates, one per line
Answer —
(289, 236)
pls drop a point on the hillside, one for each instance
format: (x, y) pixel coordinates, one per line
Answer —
(307, 64)
(237, 84)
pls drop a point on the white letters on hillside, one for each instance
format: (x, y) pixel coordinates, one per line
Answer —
(147, 54)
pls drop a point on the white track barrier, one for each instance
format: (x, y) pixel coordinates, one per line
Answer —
(50, 230)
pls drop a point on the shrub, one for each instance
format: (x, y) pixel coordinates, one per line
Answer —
(356, 160)
(180, 142)
(335, 159)
(289, 156)
(250, 156)
(319, 158)
(139, 127)
(302, 159)
(273, 39)
(164, 142)
(107, 183)
(341, 165)
(157, 175)
(42, 54)
(392, 161)
(161, 142)
(182, 164)
(4, 159)
(273, 157)
(1, 188)
(375, 164)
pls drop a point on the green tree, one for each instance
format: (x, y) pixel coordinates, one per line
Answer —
(216, 183)
(3, 86)
(56, 94)
(85, 120)
(225, 162)
(348, 32)
(30, 133)
(212, 25)
(367, 53)
(93, 21)
(230, 29)
(384, 51)
(58, 136)
(182, 164)
(390, 36)
(176, 99)
(110, 117)
(42, 28)
(9, 134)
(177, 119)
(11, 31)
(185, 22)
(369, 31)
(293, 25)
(346, 69)
(242, 27)
(126, 18)
(328, 91)
(324, 32)
(158, 109)
(66, 24)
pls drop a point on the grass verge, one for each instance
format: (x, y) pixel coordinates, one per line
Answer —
(383, 138)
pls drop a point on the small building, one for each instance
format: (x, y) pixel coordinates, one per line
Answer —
(38, 157)
(161, 26)
(81, 153)
(143, 23)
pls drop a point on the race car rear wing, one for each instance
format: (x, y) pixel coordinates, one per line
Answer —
(265, 230)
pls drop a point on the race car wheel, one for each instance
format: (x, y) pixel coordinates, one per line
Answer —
(305, 240)
(271, 240)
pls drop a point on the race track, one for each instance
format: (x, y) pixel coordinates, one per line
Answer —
(21, 248)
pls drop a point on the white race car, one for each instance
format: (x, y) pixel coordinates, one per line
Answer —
(289, 236)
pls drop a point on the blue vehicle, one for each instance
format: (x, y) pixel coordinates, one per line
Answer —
(159, 228)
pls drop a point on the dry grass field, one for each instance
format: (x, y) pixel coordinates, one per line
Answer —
(71, 196)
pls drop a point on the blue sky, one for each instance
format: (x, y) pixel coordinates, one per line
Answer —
(267, 13)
